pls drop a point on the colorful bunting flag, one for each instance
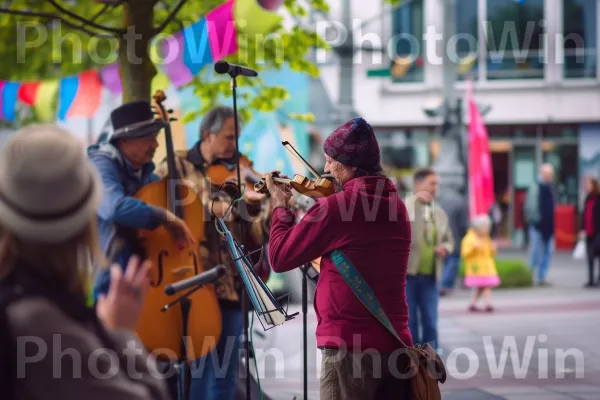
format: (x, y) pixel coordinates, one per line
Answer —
(202, 43)
(270, 5)
(198, 47)
(28, 92)
(111, 79)
(221, 30)
(10, 92)
(80, 96)
(45, 96)
(176, 70)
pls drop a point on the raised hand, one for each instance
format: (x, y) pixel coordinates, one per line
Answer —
(121, 307)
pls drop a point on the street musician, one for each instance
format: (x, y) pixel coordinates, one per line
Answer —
(364, 225)
(209, 163)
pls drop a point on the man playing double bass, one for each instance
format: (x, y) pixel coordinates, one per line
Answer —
(125, 166)
(215, 376)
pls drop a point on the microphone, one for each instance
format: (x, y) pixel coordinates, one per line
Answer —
(223, 67)
(200, 279)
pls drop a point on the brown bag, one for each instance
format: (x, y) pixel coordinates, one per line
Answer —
(430, 371)
(426, 369)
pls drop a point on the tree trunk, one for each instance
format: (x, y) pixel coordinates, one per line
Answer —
(137, 70)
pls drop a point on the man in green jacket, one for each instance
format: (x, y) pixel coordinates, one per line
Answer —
(431, 243)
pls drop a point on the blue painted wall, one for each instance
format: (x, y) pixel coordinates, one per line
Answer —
(261, 138)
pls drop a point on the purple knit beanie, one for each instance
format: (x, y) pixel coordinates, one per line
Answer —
(354, 144)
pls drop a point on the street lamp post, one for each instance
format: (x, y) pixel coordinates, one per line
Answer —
(451, 163)
(345, 52)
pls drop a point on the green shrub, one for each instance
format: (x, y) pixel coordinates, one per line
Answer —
(512, 273)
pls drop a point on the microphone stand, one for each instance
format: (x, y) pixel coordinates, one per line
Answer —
(244, 294)
(305, 276)
(180, 367)
(182, 297)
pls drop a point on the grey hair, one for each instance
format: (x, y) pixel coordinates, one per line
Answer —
(214, 120)
(481, 221)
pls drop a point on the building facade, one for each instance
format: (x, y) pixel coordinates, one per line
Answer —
(535, 62)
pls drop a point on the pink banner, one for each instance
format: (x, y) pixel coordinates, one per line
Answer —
(481, 178)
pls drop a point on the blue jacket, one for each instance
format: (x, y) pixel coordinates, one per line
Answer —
(120, 214)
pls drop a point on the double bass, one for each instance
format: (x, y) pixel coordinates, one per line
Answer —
(198, 317)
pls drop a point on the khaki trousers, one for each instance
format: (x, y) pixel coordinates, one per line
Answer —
(363, 376)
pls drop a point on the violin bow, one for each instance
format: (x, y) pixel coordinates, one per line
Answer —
(295, 153)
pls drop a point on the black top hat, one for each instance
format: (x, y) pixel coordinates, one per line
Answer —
(134, 120)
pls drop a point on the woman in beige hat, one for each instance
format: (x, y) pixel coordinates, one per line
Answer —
(52, 346)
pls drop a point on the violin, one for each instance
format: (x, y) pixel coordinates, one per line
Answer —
(224, 171)
(191, 328)
(321, 186)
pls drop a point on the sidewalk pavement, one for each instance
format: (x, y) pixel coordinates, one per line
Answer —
(539, 344)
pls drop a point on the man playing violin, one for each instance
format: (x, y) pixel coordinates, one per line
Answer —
(125, 165)
(207, 164)
(368, 222)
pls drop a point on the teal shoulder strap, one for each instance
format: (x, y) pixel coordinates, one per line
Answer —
(362, 290)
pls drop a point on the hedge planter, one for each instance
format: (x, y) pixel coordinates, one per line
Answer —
(513, 273)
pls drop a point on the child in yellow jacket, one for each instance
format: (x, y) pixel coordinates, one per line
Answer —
(478, 252)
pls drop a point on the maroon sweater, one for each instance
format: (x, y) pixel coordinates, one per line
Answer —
(369, 223)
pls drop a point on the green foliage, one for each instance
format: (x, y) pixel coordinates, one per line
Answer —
(513, 273)
(47, 48)
(261, 53)
(40, 47)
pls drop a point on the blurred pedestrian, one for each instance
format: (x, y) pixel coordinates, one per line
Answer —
(457, 210)
(590, 225)
(431, 243)
(48, 197)
(540, 205)
(478, 251)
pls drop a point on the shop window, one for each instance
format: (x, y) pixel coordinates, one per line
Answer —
(525, 131)
(579, 41)
(561, 131)
(408, 43)
(511, 131)
(467, 39)
(499, 131)
(515, 39)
